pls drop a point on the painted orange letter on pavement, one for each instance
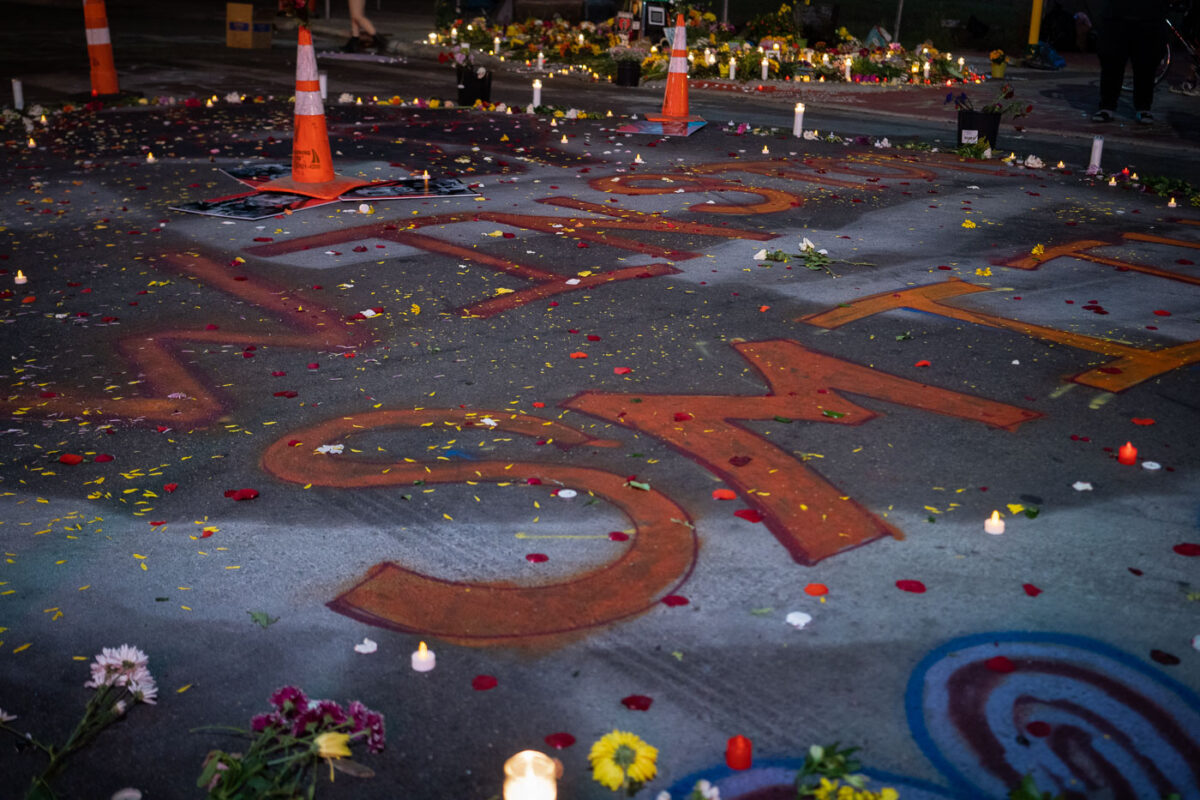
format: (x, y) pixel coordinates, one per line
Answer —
(657, 559)
(810, 517)
(1132, 365)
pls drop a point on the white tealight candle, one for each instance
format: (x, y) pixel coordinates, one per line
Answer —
(798, 121)
(766, 150)
(537, 92)
(994, 525)
(564, 139)
(150, 159)
(20, 280)
(423, 659)
(530, 775)
(1172, 204)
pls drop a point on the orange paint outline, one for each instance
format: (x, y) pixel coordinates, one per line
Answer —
(1079, 249)
(659, 558)
(810, 517)
(154, 354)
(1134, 365)
(548, 284)
(772, 199)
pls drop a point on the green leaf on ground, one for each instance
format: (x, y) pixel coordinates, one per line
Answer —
(262, 618)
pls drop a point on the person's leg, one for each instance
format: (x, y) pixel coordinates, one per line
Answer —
(359, 24)
(1113, 50)
(1147, 43)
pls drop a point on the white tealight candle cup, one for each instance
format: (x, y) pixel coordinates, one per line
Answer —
(18, 95)
(423, 659)
(798, 121)
(530, 775)
(1172, 204)
(994, 525)
(20, 280)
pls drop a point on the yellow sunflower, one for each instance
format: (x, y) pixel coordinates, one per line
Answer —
(622, 760)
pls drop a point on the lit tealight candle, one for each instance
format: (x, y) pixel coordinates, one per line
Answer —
(208, 103)
(1133, 177)
(20, 280)
(1172, 204)
(1112, 181)
(1127, 454)
(423, 659)
(994, 525)
(150, 159)
(1060, 165)
(32, 143)
(530, 775)
(637, 159)
(766, 150)
(433, 38)
(564, 139)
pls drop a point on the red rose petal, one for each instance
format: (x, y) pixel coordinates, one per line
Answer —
(1165, 658)
(724, 494)
(537, 558)
(748, 514)
(1031, 590)
(103, 458)
(241, 494)
(637, 702)
(1187, 549)
(1161, 313)
(682, 416)
(621, 370)
(560, 741)
(170, 487)
(70, 458)
(1000, 664)
(278, 374)
(285, 394)
(922, 363)
(314, 365)
(579, 354)
(916, 587)
(159, 522)
(674, 600)
(816, 590)
(618, 536)
(481, 683)
(1039, 729)
(740, 461)
(1142, 421)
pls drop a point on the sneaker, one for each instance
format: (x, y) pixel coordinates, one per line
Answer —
(1103, 115)
(1144, 118)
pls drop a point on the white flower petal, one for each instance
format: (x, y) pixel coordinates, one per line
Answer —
(1081, 486)
(798, 619)
(367, 646)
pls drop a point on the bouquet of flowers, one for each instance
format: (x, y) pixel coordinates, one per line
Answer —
(285, 745)
(1003, 104)
(998, 57)
(121, 679)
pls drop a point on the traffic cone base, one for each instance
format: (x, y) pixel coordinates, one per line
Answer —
(331, 189)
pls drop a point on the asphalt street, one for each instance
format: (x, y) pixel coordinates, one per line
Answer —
(616, 465)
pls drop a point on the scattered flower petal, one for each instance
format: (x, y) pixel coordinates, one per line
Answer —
(798, 619)
(366, 646)
(481, 683)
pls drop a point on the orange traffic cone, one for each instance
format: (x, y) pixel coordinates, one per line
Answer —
(312, 166)
(99, 44)
(675, 102)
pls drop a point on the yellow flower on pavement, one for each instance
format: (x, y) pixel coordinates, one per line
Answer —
(333, 745)
(621, 758)
(968, 223)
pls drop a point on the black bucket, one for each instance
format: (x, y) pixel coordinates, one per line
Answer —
(471, 87)
(629, 73)
(975, 126)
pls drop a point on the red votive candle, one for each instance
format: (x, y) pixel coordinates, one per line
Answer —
(1127, 454)
(739, 753)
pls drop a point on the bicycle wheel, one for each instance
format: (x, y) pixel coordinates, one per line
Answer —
(1160, 72)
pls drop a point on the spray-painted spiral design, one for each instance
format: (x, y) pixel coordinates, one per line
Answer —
(1083, 718)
